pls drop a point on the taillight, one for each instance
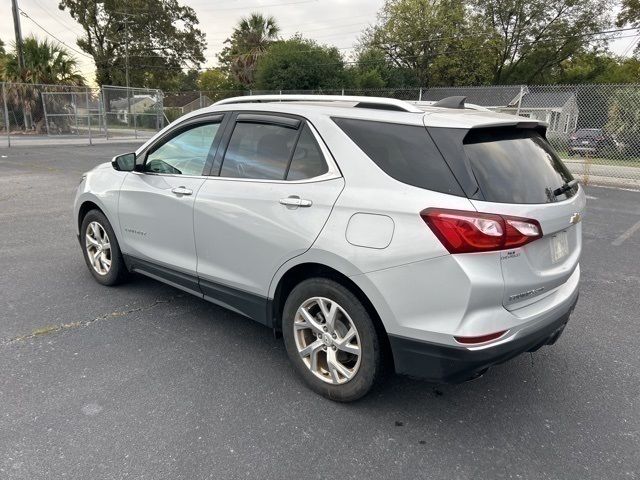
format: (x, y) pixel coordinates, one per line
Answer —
(461, 231)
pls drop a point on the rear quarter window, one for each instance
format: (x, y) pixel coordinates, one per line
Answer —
(516, 166)
(404, 152)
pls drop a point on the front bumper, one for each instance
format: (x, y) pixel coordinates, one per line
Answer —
(452, 364)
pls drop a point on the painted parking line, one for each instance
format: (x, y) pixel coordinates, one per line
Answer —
(591, 197)
(626, 235)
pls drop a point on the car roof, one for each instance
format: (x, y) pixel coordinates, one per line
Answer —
(352, 107)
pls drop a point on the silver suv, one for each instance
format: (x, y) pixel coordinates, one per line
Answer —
(440, 239)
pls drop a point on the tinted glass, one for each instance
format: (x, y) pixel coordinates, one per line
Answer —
(514, 166)
(591, 132)
(404, 152)
(308, 161)
(184, 154)
(258, 151)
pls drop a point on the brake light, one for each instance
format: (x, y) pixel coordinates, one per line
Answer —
(463, 231)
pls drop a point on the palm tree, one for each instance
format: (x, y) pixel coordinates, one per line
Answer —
(45, 63)
(249, 41)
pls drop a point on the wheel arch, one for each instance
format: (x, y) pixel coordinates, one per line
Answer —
(88, 202)
(303, 271)
(85, 207)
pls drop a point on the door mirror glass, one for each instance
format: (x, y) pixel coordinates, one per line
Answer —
(125, 162)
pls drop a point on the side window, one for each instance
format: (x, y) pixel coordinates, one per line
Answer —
(184, 154)
(259, 151)
(404, 152)
(308, 161)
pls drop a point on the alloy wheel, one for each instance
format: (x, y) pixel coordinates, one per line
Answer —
(98, 248)
(327, 340)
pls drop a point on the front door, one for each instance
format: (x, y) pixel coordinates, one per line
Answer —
(275, 190)
(156, 203)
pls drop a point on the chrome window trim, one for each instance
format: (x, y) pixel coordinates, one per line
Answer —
(169, 175)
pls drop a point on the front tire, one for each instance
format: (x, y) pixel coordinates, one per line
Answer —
(101, 249)
(331, 340)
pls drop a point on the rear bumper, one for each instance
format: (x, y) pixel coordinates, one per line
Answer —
(452, 364)
(584, 148)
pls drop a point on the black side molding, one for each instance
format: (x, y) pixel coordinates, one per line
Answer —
(256, 307)
(245, 303)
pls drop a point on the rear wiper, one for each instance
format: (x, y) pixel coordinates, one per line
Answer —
(565, 188)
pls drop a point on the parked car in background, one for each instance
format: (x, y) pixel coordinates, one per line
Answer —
(437, 239)
(592, 141)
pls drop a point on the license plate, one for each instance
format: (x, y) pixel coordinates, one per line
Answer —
(559, 246)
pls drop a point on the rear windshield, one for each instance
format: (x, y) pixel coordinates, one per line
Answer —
(589, 133)
(516, 166)
(404, 152)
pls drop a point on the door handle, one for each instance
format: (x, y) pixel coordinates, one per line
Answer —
(295, 201)
(181, 191)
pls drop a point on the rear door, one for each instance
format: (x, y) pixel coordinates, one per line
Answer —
(518, 172)
(269, 195)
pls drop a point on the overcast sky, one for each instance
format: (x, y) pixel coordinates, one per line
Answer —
(334, 22)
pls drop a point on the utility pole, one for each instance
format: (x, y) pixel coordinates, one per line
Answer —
(18, 32)
(126, 63)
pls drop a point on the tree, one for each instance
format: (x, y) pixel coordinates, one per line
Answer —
(373, 69)
(45, 62)
(624, 119)
(300, 64)
(440, 41)
(596, 67)
(532, 36)
(161, 36)
(629, 14)
(248, 42)
(215, 79)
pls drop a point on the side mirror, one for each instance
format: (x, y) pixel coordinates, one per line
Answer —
(125, 162)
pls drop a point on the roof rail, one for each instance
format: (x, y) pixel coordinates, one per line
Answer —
(381, 103)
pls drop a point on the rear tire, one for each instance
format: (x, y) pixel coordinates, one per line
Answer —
(331, 340)
(101, 249)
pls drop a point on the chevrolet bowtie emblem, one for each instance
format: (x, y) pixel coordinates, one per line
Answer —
(575, 218)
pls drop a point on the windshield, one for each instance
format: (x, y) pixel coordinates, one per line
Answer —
(589, 133)
(516, 166)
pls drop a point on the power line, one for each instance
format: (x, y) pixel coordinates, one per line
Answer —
(487, 37)
(352, 62)
(64, 24)
(631, 45)
(26, 15)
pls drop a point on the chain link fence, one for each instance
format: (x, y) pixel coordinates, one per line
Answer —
(44, 112)
(594, 128)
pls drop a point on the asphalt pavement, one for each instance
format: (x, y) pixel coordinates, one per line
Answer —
(144, 381)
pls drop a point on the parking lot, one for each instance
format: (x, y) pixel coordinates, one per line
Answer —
(144, 381)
